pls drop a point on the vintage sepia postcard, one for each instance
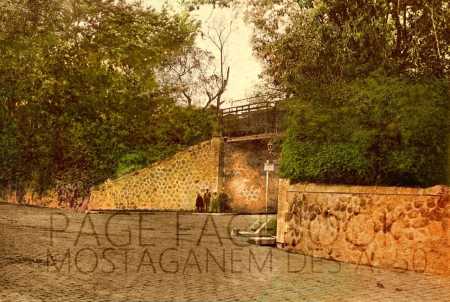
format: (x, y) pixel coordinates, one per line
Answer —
(224, 150)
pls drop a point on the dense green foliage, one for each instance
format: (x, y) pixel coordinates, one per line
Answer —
(79, 96)
(368, 87)
(305, 43)
(379, 130)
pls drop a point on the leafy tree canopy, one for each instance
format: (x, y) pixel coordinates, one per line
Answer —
(79, 90)
(321, 41)
(368, 87)
(375, 131)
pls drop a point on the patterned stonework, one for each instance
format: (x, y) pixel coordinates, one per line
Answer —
(170, 184)
(244, 177)
(402, 228)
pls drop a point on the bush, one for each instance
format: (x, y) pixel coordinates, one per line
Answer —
(382, 130)
(179, 128)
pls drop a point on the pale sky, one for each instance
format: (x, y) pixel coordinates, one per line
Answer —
(245, 67)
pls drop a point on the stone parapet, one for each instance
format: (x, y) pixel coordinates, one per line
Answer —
(393, 227)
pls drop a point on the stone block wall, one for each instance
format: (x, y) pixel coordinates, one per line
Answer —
(402, 228)
(235, 168)
(244, 177)
(169, 184)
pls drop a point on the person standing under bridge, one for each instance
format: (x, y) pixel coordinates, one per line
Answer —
(207, 200)
(199, 203)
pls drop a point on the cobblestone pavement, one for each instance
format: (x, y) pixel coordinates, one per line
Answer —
(104, 257)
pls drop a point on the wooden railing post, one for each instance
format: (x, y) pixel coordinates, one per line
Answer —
(221, 123)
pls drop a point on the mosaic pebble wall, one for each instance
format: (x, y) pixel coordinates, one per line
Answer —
(399, 228)
(170, 184)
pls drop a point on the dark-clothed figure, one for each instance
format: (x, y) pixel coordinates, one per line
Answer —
(207, 200)
(199, 203)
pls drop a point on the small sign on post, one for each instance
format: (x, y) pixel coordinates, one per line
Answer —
(269, 167)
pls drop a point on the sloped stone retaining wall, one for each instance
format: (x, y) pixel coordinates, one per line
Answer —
(170, 184)
(402, 228)
(236, 169)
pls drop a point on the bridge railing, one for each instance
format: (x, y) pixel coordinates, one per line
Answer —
(251, 119)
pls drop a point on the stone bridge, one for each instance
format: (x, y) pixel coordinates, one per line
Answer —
(254, 121)
(231, 163)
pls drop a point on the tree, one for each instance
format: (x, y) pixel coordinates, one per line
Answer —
(202, 74)
(361, 77)
(186, 73)
(322, 41)
(379, 130)
(215, 84)
(79, 91)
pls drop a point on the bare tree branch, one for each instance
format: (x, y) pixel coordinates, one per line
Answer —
(194, 73)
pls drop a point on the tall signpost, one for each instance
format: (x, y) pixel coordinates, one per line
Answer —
(268, 167)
